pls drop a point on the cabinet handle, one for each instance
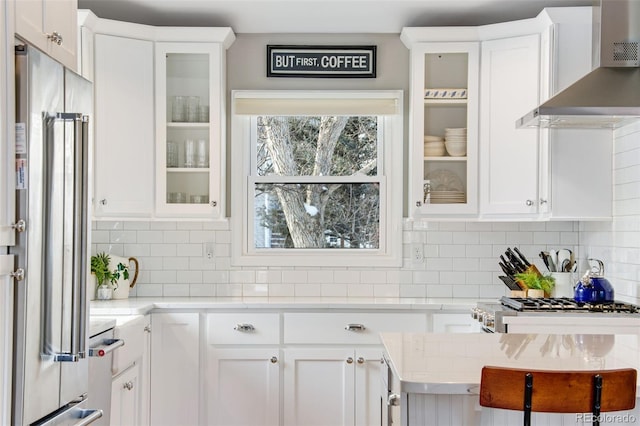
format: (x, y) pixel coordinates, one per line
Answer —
(360, 360)
(128, 385)
(355, 327)
(147, 328)
(274, 359)
(245, 328)
(20, 226)
(349, 360)
(529, 203)
(214, 203)
(103, 202)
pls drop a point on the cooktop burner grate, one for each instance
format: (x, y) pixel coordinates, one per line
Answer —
(565, 304)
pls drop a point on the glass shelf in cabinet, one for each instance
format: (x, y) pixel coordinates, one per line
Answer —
(187, 169)
(188, 125)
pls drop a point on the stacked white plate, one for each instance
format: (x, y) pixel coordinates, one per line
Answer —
(456, 141)
(448, 197)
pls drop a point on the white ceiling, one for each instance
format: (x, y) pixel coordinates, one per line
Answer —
(320, 16)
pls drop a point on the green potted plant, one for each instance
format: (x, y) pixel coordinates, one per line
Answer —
(106, 277)
(536, 281)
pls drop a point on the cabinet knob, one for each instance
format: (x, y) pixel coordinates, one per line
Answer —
(103, 202)
(55, 37)
(18, 274)
(128, 385)
(214, 203)
(418, 203)
(147, 328)
(543, 201)
(20, 226)
(393, 400)
(274, 359)
(349, 360)
(360, 360)
(529, 203)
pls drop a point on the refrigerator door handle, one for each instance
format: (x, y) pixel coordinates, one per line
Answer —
(69, 242)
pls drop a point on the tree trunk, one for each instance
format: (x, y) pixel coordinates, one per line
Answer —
(307, 231)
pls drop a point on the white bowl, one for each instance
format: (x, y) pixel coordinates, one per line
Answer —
(456, 149)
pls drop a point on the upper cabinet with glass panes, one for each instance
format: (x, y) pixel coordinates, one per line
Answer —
(190, 129)
(443, 132)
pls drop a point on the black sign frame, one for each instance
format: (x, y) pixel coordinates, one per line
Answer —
(326, 61)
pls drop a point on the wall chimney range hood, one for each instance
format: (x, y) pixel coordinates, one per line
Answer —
(609, 96)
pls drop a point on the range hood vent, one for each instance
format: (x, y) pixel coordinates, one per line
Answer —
(609, 96)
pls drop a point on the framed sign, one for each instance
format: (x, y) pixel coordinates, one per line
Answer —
(321, 61)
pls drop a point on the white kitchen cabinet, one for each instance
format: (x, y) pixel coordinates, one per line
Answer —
(319, 386)
(51, 26)
(454, 323)
(243, 369)
(442, 184)
(175, 368)
(368, 368)
(126, 398)
(511, 164)
(7, 149)
(243, 386)
(189, 178)
(124, 127)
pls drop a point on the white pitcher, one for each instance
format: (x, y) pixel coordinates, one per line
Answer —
(122, 290)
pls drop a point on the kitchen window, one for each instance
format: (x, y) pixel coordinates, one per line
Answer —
(317, 178)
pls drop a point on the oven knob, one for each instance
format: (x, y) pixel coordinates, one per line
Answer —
(474, 313)
(481, 315)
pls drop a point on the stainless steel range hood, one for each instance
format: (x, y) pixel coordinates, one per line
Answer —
(609, 96)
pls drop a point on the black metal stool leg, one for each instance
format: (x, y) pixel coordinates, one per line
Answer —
(528, 392)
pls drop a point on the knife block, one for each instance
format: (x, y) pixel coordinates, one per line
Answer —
(531, 293)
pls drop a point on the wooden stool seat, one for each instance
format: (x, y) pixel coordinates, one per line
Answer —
(558, 391)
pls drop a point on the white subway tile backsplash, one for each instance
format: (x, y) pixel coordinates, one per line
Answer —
(150, 237)
(307, 290)
(281, 290)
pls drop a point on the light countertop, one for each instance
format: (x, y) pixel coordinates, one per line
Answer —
(143, 305)
(451, 363)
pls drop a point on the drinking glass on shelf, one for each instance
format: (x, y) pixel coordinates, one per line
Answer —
(202, 153)
(199, 199)
(178, 109)
(203, 114)
(189, 153)
(193, 103)
(172, 154)
(176, 197)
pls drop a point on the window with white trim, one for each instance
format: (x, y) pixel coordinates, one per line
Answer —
(317, 178)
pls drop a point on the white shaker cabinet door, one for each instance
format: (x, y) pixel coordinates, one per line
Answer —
(126, 397)
(319, 386)
(243, 387)
(123, 159)
(509, 157)
(368, 368)
(175, 369)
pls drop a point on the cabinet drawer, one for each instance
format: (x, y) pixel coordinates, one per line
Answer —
(243, 328)
(131, 330)
(335, 328)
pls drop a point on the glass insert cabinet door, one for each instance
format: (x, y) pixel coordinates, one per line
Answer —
(189, 129)
(444, 129)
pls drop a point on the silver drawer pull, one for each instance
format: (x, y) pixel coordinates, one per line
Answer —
(109, 346)
(245, 328)
(355, 327)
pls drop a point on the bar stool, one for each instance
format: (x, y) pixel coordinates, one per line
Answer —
(558, 391)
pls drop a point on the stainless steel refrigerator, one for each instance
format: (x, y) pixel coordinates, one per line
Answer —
(50, 376)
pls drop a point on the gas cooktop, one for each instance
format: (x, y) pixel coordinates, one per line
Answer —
(565, 304)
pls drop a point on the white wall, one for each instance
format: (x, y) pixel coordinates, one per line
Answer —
(460, 260)
(617, 243)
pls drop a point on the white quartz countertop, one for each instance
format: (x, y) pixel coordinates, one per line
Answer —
(143, 305)
(440, 363)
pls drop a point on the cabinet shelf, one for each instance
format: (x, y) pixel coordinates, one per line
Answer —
(187, 170)
(445, 102)
(445, 158)
(188, 125)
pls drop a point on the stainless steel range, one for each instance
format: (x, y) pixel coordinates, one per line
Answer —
(557, 315)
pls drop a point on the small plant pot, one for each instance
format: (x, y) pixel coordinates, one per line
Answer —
(104, 292)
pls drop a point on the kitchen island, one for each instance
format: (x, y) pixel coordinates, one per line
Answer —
(437, 376)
